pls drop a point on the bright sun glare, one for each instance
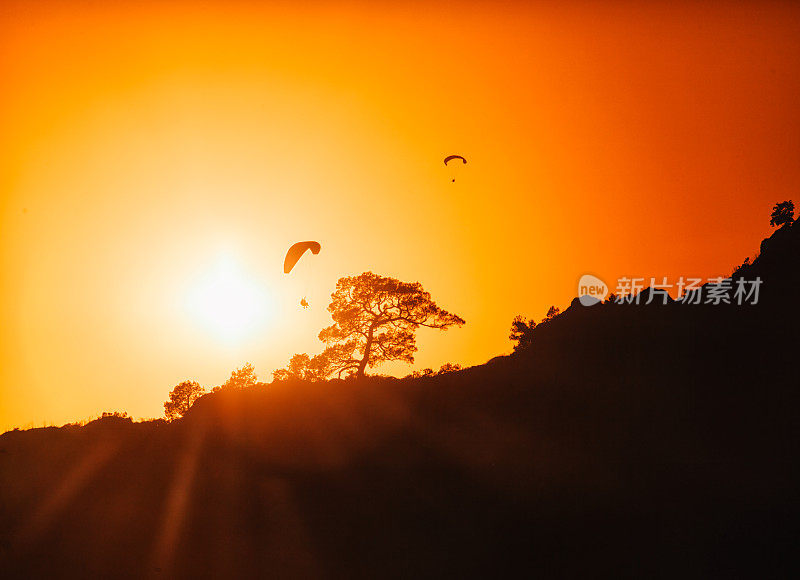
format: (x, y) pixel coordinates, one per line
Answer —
(227, 302)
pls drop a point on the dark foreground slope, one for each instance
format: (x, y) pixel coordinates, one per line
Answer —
(648, 441)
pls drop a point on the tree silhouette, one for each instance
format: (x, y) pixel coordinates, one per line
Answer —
(375, 320)
(448, 368)
(522, 332)
(181, 399)
(304, 367)
(241, 378)
(116, 415)
(782, 213)
(552, 312)
(426, 372)
(522, 329)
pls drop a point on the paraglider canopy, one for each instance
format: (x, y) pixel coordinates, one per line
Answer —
(296, 252)
(451, 157)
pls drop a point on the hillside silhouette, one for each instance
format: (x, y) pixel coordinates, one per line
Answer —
(626, 440)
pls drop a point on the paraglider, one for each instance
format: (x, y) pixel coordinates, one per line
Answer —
(296, 252)
(450, 158)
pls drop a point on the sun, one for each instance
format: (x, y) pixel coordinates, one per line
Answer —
(227, 302)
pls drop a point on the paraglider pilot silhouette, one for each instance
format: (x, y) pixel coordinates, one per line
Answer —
(294, 254)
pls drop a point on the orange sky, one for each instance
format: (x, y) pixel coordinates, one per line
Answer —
(145, 148)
